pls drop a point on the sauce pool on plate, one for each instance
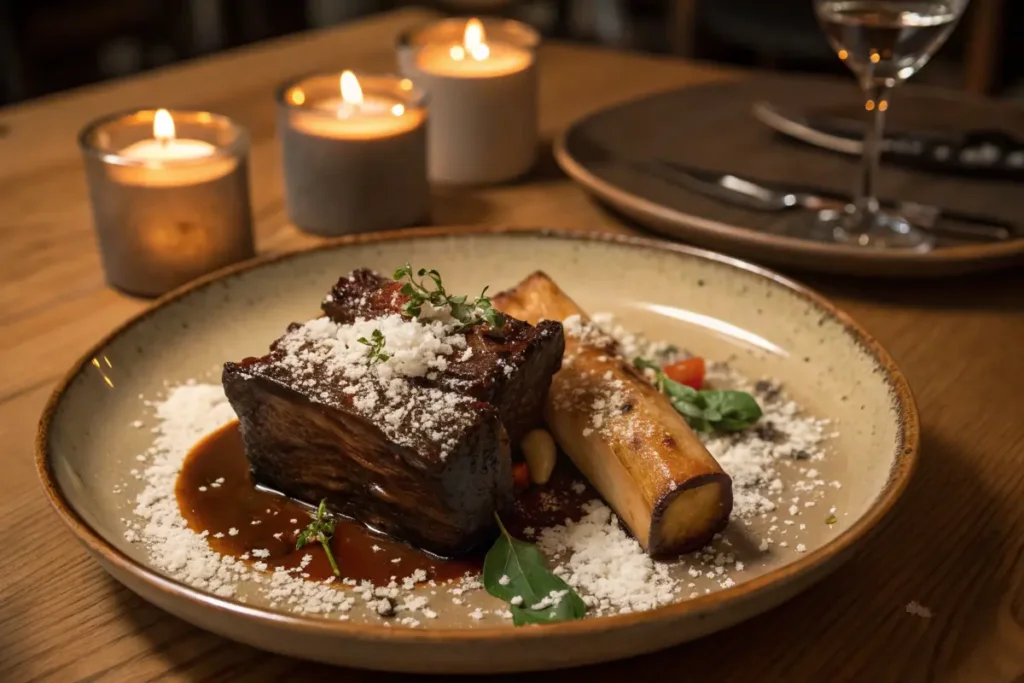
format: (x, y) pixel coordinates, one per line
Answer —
(216, 493)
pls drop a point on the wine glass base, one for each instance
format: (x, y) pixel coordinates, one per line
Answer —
(881, 230)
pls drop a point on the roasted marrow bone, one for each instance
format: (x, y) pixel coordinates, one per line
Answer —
(622, 434)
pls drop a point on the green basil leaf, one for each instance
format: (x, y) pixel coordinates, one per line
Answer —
(528, 578)
(708, 409)
(687, 409)
(682, 392)
(697, 422)
(736, 409)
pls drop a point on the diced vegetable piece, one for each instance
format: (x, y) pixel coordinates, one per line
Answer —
(689, 371)
(520, 476)
(540, 453)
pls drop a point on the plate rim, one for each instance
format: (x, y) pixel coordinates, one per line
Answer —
(964, 257)
(904, 461)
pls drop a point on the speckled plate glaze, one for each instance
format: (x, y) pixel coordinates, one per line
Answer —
(714, 305)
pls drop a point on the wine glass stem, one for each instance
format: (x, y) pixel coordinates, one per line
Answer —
(877, 102)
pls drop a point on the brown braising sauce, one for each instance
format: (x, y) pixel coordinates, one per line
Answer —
(216, 493)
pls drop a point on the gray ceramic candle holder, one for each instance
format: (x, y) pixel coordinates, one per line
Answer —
(352, 168)
(162, 218)
(483, 112)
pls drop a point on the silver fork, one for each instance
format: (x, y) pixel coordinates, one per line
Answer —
(743, 192)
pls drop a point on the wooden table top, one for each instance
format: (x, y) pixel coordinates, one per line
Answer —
(954, 544)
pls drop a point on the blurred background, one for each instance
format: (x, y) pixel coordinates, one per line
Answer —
(52, 45)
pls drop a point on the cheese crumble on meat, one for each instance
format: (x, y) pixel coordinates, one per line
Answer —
(381, 387)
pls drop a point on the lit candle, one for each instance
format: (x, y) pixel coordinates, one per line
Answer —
(167, 208)
(165, 145)
(482, 85)
(165, 160)
(352, 114)
(354, 153)
(474, 57)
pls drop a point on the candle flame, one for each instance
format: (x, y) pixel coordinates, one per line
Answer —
(475, 40)
(351, 93)
(163, 126)
(398, 110)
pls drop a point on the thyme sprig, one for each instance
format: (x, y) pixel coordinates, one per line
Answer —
(320, 530)
(376, 343)
(468, 312)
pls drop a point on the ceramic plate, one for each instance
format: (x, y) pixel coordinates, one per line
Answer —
(615, 153)
(765, 325)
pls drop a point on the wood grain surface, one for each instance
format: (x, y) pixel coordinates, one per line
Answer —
(955, 544)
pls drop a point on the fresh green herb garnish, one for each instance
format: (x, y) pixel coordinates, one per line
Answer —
(467, 312)
(830, 520)
(707, 409)
(534, 594)
(376, 344)
(320, 529)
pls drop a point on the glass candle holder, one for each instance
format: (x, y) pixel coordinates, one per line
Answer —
(481, 77)
(170, 196)
(355, 152)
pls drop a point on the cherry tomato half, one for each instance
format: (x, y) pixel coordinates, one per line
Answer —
(689, 372)
(520, 476)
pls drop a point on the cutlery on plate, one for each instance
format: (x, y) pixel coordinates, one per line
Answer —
(740, 191)
(975, 151)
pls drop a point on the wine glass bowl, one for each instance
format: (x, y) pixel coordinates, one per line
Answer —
(886, 41)
(883, 42)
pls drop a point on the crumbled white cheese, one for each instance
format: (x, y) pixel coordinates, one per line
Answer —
(631, 344)
(380, 385)
(609, 568)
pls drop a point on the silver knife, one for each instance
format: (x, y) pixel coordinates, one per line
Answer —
(740, 191)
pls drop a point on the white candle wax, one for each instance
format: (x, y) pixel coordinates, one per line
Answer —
(376, 117)
(454, 61)
(170, 163)
(163, 150)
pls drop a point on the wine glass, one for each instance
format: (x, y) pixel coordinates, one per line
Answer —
(883, 42)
